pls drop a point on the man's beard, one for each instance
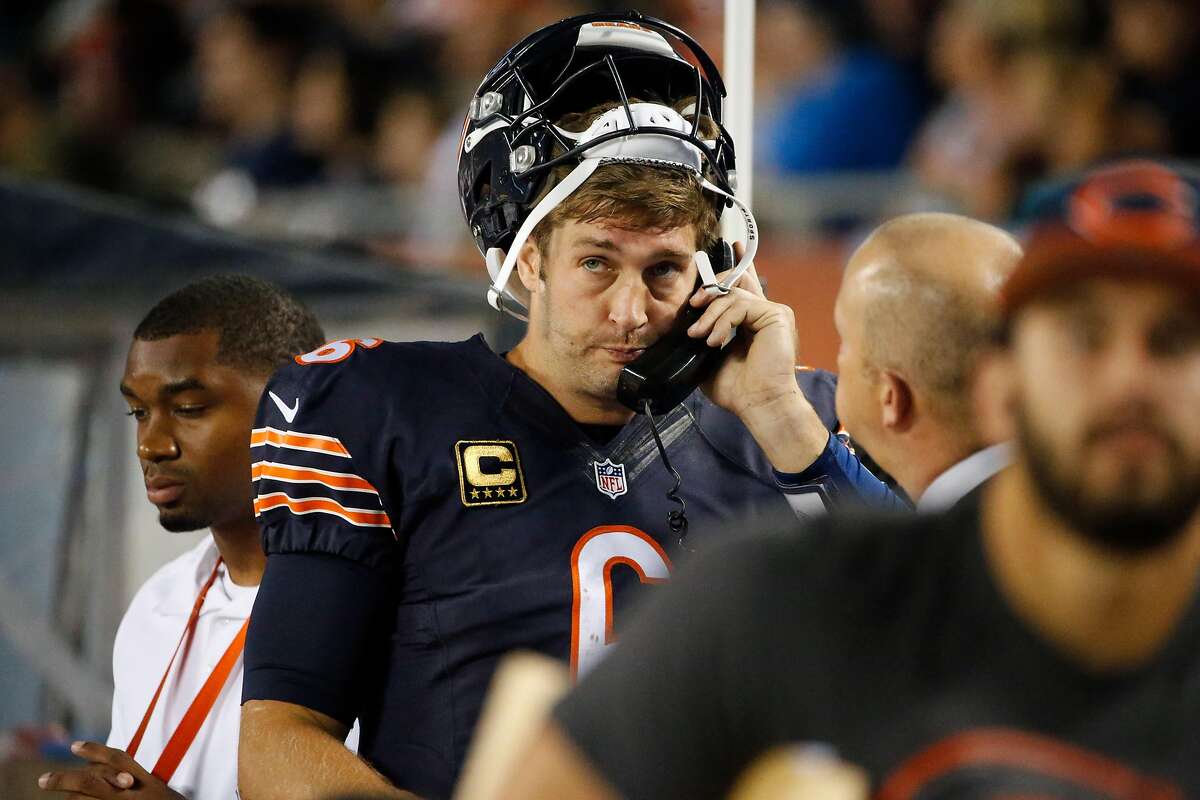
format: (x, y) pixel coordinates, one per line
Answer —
(1123, 523)
(573, 358)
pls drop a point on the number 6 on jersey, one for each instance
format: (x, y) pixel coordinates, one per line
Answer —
(592, 561)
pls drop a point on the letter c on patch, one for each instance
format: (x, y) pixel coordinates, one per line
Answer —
(473, 454)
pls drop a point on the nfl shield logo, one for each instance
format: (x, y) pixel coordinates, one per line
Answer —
(610, 478)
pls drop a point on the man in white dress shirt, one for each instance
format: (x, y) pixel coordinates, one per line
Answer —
(193, 379)
(917, 307)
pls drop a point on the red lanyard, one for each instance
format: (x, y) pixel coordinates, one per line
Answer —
(199, 710)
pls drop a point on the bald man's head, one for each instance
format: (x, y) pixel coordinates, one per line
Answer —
(919, 301)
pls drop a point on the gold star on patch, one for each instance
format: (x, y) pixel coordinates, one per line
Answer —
(474, 494)
(512, 492)
(487, 492)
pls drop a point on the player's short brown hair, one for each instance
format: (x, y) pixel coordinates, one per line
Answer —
(633, 196)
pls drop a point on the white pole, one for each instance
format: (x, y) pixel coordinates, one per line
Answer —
(738, 71)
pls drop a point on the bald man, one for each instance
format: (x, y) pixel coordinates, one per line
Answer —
(917, 306)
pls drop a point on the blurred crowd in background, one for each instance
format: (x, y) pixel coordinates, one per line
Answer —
(339, 119)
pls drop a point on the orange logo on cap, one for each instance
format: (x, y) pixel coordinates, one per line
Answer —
(615, 24)
(1163, 215)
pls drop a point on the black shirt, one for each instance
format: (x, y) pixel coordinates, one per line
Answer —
(887, 639)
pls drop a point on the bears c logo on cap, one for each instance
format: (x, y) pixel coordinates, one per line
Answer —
(1141, 204)
(1132, 219)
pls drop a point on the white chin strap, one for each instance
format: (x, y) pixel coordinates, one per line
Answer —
(640, 148)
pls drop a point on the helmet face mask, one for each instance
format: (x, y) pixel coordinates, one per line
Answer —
(512, 141)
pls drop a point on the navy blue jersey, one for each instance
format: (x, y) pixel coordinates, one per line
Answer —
(476, 518)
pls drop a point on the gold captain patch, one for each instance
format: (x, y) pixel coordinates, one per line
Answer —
(489, 473)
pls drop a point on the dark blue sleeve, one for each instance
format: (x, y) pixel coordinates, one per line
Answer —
(839, 478)
(319, 458)
(318, 657)
(319, 466)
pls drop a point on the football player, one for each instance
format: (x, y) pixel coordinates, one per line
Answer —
(428, 507)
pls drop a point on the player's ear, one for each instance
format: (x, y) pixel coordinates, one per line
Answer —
(895, 401)
(529, 266)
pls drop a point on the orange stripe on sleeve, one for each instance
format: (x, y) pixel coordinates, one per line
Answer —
(298, 441)
(334, 480)
(361, 517)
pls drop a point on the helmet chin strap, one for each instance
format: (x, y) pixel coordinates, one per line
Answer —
(708, 278)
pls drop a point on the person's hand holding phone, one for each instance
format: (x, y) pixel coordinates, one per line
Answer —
(757, 379)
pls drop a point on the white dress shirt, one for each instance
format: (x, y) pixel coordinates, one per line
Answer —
(145, 640)
(957, 482)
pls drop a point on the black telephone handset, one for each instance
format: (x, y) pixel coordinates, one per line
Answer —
(668, 370)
